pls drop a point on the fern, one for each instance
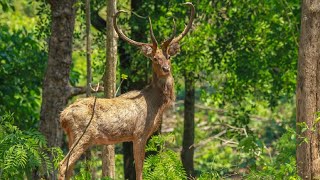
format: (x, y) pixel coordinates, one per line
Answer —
(57, 156)
(166, 164)
(21, 152)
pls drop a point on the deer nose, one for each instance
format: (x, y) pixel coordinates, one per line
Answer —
(166, 68)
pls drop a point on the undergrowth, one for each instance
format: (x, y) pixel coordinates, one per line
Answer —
(280, 166)
(22, 152)
(165, 164)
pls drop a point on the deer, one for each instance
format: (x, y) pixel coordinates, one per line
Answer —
(133, 116)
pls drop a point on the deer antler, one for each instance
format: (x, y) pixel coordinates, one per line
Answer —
(153, 38)
(122, 35)
(188, 27)
(133, 42)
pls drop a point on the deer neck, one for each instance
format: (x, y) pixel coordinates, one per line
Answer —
(164, 85)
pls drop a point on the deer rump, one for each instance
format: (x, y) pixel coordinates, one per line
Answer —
(120, 119)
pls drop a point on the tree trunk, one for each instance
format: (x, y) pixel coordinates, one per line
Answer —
(127, 85)
(128, 165)
(55, 90)
(188, 131)
(88, 155)
(308, 92)
(88, 48)
(108, 159)
(56, 82)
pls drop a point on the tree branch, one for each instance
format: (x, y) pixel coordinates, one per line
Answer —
(98, 22)
(75, 91)
(206, 141)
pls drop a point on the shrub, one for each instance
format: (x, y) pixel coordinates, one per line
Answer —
(165, 164)
(22, 152)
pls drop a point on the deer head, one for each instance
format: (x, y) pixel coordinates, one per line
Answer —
(160, 55)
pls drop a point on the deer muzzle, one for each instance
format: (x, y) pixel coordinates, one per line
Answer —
(166, 69)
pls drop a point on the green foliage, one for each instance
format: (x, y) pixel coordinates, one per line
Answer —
(18, 14)
(243, 55)
(119, 163)
(215, 161)
(22, 63)
(22, 152)
(281, 166)
(42, 26)
(83, 168)
(209, 176)
(255, 47)
(21, 72)
(224, 150)
(165, 164)
(6, 5)
(84, 174)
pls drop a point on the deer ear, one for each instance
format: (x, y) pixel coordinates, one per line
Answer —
(173, 49)
(147, 50)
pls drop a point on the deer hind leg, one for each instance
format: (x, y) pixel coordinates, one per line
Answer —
(71, 142)
(71, 158)
(70, 145)
(139, 153)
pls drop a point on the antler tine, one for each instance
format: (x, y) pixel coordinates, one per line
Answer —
(153, 38)
(166, 43)
(121, 34)
(188, 27)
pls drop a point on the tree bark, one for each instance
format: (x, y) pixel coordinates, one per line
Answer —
(188, 131)
(56, 90)
(308, 92)
(56, 82)
(88, 155)
(96, 21)
(88, 48)
(108, 159)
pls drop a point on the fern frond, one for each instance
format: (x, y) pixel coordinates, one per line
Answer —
(21, 151)
(166, 164)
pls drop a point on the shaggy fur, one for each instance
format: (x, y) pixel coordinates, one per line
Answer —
(133, 116)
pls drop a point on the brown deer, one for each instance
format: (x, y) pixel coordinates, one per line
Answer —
(133, 116)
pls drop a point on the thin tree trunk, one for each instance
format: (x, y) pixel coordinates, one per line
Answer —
(88, 154)
(88, 48)
(108, 159)
(55, 90)
(188, 131)
(308, 92)
(127, 85)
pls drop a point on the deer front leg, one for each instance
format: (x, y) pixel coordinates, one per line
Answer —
(138, 154)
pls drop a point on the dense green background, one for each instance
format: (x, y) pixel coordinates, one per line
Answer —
(242, 54)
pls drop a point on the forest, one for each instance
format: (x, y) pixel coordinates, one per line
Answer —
(240, 91)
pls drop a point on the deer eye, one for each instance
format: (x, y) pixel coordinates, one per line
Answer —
(169, 56)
